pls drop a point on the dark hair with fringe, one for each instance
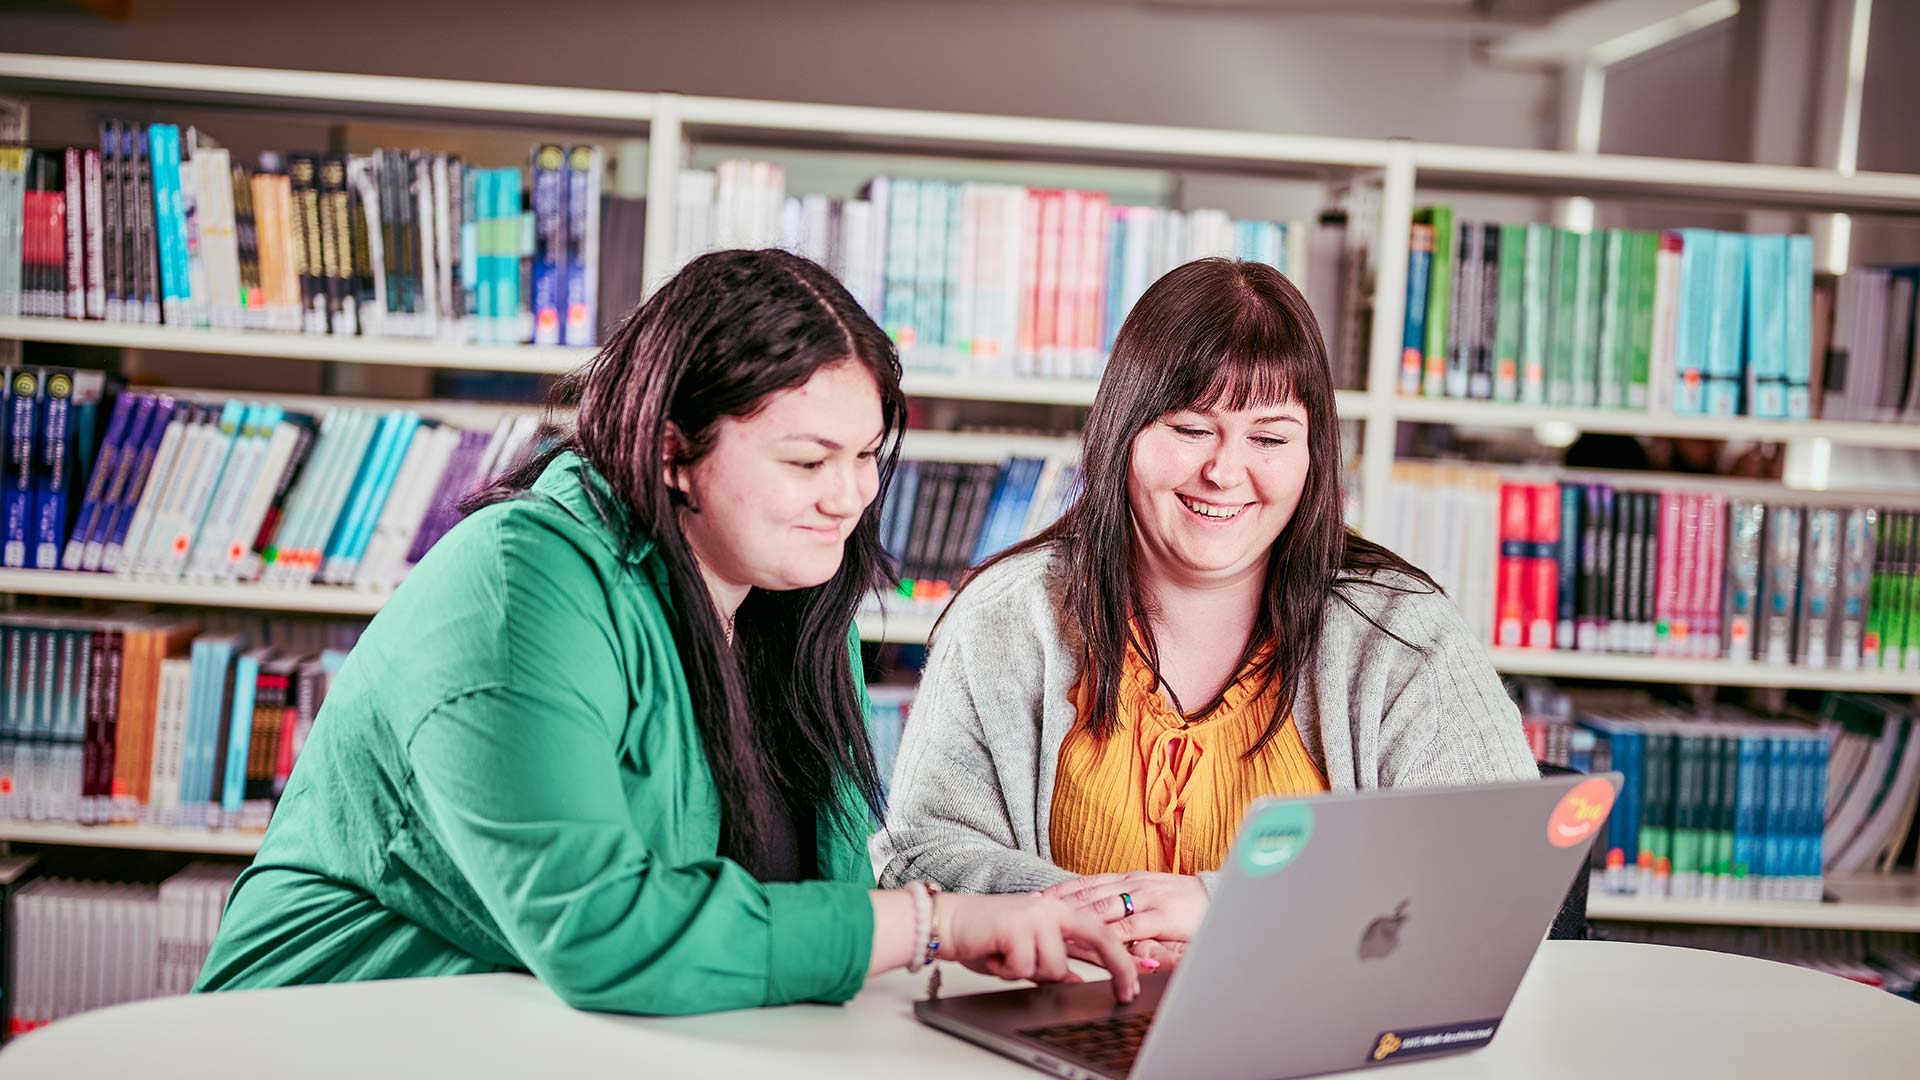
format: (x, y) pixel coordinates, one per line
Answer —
(778, 713)
(1212, 334)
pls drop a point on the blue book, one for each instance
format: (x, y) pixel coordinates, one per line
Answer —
(1778, 837)
(1799, 331)
(1019, 502)
(1693, 319)
(905, 484)
(1725, 332)
(22, 407)
(364, 481)
(1815, 804)
(901, 271)
(996, 510)
(212, 658)
(246, 679)
(169, 225)
(583, 247)
(506, 263)
(50, 495)
(549, 191)
(118, 423)
(138, 467)
(1413, 342)
(1119, 238)
(1573, 505)
(405, 428)
(1750, 787)
(1766, 308)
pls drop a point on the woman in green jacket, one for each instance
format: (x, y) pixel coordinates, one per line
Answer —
(611, 729)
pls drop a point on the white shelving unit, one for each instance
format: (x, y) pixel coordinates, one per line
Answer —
(669, 122)
(132, 837)
(537, 359)
(313, 599)
(1884, 902)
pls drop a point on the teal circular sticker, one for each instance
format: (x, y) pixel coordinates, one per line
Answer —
(1276, 838)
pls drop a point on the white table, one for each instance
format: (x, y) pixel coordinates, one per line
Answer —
(1597, 1009)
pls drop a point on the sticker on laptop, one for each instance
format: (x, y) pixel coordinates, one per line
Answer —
(1413, 1042)
(1580, 813)
(1276, 838)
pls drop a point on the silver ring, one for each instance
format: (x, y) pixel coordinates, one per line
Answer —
(1126, 902)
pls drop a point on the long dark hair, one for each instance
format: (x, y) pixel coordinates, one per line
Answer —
(1214, 333)
(729, 330)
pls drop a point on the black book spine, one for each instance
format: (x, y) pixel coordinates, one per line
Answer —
(146, 246)
(336, 244)
(110, 239)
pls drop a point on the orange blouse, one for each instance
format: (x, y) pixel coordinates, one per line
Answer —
(1165, 793)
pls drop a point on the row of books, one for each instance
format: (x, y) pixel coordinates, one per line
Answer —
(241, 491)
(1881, 959)
(1719, 807)
(1001, 278)
(154, 719)
(1722, 804)
(1688, 321)
(159, 224)
(1600, 567)
(941, 518)
(1691, 321)
(81, 945)
(1872, 357)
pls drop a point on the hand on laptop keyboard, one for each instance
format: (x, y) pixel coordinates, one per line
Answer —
(1027, 937)
(1141, 905)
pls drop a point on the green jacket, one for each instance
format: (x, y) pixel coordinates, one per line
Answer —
(506, 775)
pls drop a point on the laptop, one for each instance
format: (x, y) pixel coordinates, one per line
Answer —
(1345, 931)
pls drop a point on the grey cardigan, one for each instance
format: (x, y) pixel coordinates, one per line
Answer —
(973, 785)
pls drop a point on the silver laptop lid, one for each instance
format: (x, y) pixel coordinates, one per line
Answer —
(1368, 928)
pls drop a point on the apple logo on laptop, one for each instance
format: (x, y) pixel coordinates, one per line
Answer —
(1383, 934)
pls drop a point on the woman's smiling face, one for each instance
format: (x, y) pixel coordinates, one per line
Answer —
(1211, 489)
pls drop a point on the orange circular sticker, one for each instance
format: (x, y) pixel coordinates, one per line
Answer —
(1580, 813)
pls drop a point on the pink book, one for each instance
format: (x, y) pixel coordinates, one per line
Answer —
(1666, 573)
(1713, 547)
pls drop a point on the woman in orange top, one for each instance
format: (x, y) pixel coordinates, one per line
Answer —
(1199, 630)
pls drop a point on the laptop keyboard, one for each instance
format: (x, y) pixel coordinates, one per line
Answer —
(1110, 1042)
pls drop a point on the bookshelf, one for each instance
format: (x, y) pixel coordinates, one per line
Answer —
(1867, 902)
(132, 837)
(533, 359)
(670, 124)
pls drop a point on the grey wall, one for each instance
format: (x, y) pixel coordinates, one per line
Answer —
(1201, 68)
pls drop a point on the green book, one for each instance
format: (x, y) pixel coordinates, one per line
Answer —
(1508, 313)
(1433, 379)
(1900, 593)
(1907, 605)
(1645, 250)
(1586, 319)
(1565, 294)
(1614, 293)
(1892, 596)
(1729, 769)
(1536, 315)
(1656, 814)
(1688, 802)
(1873, 642)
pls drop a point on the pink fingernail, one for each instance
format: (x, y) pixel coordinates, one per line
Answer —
(1148, 963)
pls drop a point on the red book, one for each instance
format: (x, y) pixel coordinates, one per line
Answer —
(1713, 560)
(1692, 578)
(1515, 549)
(1666, 583)
(1543, 566)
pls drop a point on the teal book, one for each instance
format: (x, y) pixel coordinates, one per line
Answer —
(1799, 328)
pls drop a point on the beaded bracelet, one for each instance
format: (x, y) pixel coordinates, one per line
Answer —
(922, 923)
